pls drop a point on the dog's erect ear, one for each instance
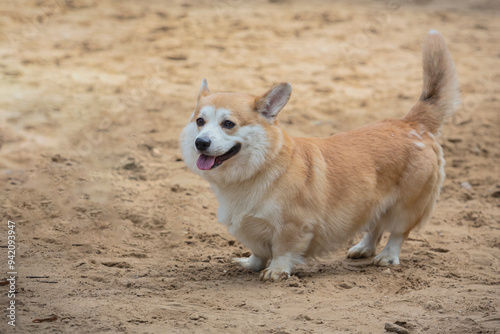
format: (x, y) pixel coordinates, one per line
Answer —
(271, 103)
(204, 91)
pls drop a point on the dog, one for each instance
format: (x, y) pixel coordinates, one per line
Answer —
(288, 199)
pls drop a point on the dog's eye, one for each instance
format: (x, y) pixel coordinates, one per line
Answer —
(228, 124)
(200, 122)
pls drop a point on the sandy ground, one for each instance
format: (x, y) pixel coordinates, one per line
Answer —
(120, 237)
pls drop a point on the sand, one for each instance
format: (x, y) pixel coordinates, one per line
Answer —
(114, 234)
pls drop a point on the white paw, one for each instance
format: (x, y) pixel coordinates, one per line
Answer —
(360, 251)
(253, 262)
(273, 275)
(385, 260)
(280, 268)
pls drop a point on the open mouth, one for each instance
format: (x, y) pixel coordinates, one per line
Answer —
(206, 162)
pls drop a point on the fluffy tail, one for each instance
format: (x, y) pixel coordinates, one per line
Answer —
(440, 93)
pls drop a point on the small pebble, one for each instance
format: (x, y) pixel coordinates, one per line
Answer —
(395, 328)
(466, 185)
(196, 316)
(345, 286)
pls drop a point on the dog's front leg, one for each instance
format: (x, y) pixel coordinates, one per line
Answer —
(288, 250)
(253, 262)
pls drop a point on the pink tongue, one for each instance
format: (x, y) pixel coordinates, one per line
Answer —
(205, 162)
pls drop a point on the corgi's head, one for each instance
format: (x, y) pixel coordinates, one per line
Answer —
(230, 135)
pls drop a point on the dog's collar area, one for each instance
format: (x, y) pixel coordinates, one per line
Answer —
(206, 162)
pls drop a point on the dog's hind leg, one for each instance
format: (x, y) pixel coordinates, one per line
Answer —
(367, 246)
(401, 219)
(390, 253)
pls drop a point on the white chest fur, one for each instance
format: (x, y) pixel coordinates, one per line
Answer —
(251, 215)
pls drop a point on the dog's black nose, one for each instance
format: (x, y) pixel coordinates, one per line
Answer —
(202, 144)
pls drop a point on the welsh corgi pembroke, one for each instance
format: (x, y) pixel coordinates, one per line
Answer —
(288, 199)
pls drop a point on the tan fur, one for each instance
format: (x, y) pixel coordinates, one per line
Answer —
(232, 101)
(440, 94)
(309, 195)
